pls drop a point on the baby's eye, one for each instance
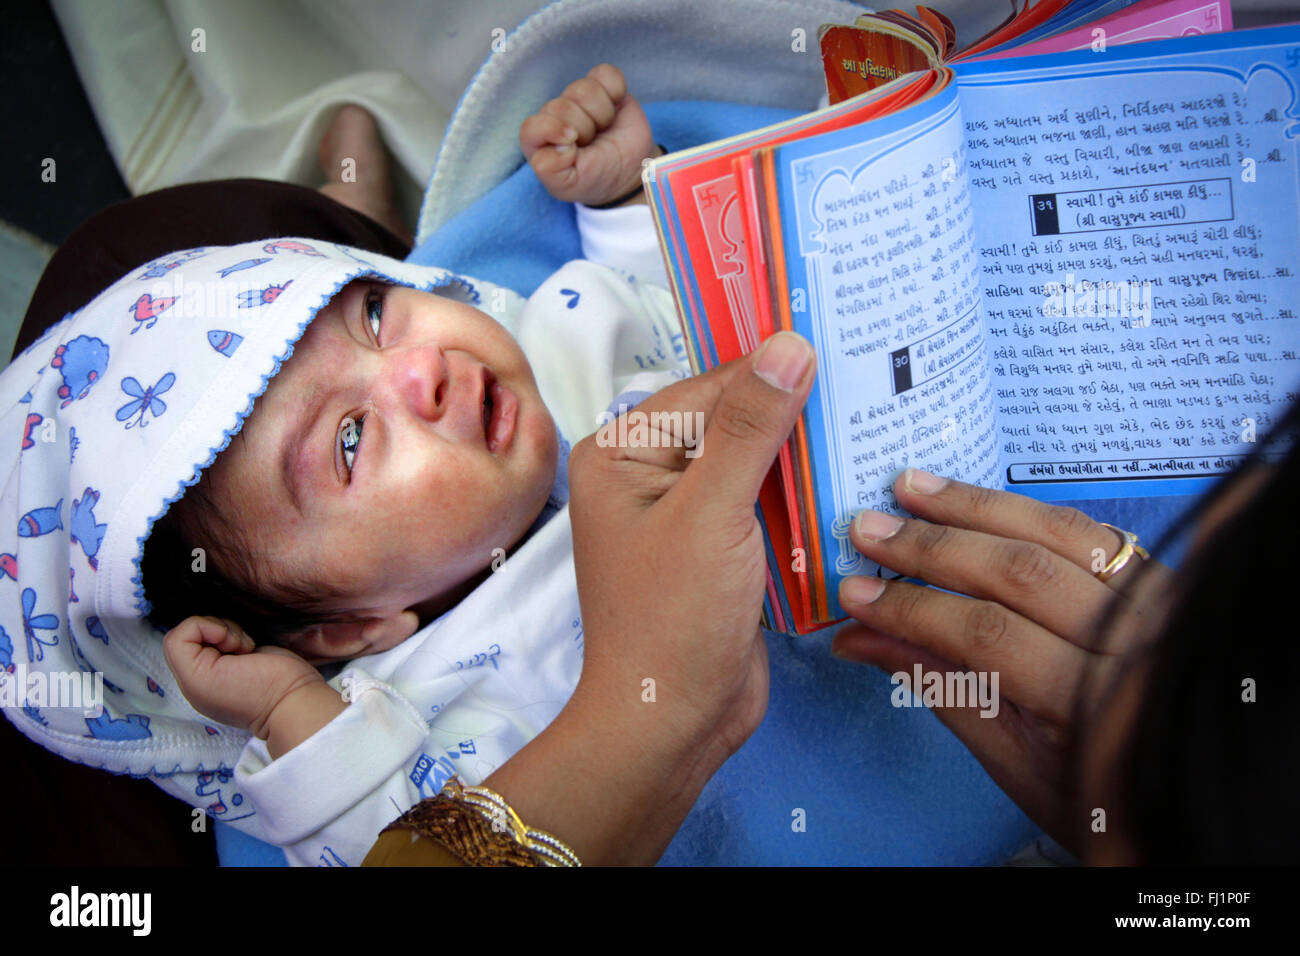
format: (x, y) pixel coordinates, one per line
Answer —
(349, 439)
(374, 311)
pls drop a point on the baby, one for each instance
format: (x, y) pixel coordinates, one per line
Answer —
(361, 460)
(401, 453)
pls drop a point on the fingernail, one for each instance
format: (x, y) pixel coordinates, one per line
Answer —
(570, 133)
(860, 591)
(922, 482)
(877, 526)
(782, 361)
(564, 147)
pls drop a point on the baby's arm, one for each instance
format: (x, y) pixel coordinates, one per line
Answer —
(330, 774)
(587, 145)
(269, 691)
(327, 799)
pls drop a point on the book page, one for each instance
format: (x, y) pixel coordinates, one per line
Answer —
(1147, 20)
(694, 199)
(883, 280)
(1138, 219)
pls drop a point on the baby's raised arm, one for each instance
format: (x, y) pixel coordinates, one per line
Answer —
(587, 145)
(269, 691)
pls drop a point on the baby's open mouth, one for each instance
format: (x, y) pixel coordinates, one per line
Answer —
(499, 408)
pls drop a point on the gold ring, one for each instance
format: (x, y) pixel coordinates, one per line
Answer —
(1126, 551)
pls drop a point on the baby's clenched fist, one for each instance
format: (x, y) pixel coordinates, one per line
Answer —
(587, 145)
(227, 677)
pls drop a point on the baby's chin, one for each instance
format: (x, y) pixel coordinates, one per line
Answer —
(542, 450)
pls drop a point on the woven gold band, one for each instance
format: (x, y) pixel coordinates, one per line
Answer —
(478, 827)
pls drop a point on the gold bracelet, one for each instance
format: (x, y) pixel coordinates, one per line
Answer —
(501, 815)
(477, 826)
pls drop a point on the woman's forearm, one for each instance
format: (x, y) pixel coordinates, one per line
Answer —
(612, 778)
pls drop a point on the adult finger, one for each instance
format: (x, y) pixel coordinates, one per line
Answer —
(1036, 669)
(1023, 575)
(1065, 531)
(751, 420)
(664, 430)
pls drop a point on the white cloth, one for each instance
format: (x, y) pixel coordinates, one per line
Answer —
(252, 93)
(271, 73)
(760, 52)
(618, 236)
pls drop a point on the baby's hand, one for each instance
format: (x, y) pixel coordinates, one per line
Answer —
(225, 676)
(587, 145)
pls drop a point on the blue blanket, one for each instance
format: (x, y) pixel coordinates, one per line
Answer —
(875, 784)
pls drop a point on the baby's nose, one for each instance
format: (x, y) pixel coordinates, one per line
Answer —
(418, 377)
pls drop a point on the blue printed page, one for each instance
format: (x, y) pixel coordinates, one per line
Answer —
(1138, 216)
(883, 271)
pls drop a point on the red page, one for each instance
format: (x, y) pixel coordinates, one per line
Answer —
(1028, 19)
(702, 191)
(774, 250)
(781, 509)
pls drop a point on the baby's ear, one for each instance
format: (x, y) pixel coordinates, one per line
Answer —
(386, 632)
(341, 640)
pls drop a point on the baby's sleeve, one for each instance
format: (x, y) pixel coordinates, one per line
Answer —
(623, 237)
(326, 800)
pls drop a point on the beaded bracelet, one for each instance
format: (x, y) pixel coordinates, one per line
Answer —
(478, 827)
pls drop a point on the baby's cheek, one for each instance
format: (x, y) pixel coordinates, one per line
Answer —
(531, 469)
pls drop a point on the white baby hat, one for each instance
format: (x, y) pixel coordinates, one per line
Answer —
(108, 418)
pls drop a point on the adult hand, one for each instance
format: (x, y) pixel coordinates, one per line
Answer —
(670, 566)
(669, 552)
(1032, 616)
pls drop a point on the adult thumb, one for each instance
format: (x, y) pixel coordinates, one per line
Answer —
(752, 420)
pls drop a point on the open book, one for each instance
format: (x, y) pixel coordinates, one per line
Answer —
(1070, 275)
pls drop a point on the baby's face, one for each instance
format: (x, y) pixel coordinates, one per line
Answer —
(401, 443)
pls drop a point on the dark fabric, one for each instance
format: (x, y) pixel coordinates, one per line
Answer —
(63, 813)
(129, 234)
(66, 814)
